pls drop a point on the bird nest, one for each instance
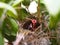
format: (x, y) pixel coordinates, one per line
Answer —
(34, 38)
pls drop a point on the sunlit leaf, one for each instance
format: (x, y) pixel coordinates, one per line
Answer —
(2, 0)
(16, 2)
(8, 7)
(9, 13)
(53, 7)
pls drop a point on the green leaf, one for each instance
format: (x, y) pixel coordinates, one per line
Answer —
(54, 20)
(7, 1)
(2, 0)
(53, 7)
(10, 8)
(9, 13)
(9, 29)
(26, 2)
(16, 2)
(54, 41)
(14, 26)
(41, 1)
(22, 14)
(1, 11)
(1, 39)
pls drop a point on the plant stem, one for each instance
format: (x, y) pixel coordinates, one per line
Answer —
(38, 9)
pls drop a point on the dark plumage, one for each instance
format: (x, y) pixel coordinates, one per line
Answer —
(29, 25)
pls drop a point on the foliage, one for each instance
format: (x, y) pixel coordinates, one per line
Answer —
(53, 9)
(5, 1)
(1, 39)
(1, 11)
(26, 2)
(10, 26)
(9, 29)
(10, 8)
(54, 42)
(16, 2)
(22, 14)
(54, 21)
